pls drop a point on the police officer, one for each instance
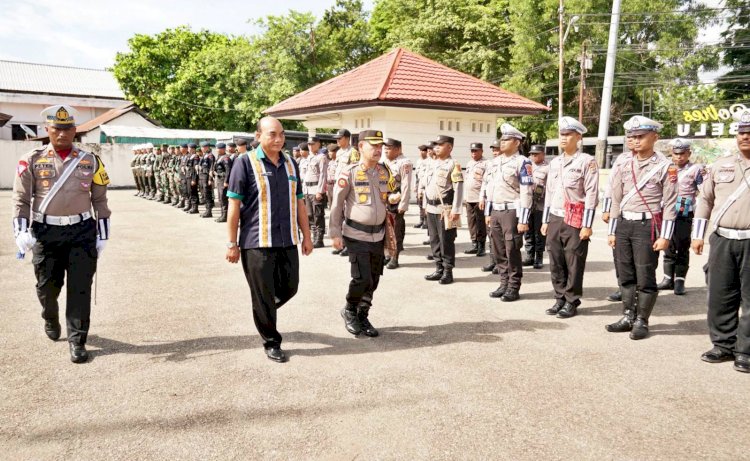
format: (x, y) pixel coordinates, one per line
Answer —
(507, 211)
(607, 205)
(570, 203)
(444, 195)
(418, 177)
(55, 188)
(241, 148)
(644, 193)
(158, 158)
(331, 174)
(535, 242)
(315, 184)
(172, 175)
(181, 168)
(222, 170)
(295, 152)
(205, 178)
(192, 160)
(150, 161)
(346, 155)
(483, 199)
(726, 194)
(677, 256)
(141, 168)
(398, 200)
(475, 171)
(358, 219)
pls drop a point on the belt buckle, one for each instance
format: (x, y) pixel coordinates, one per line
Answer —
(734, 234)
(64, 220)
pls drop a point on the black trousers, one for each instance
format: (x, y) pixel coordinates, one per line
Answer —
(506, 247)
(223, 199)
(207, 191)
(636, 260)
(193, 190)
(677, 256)
(273, 277)
(728, 293)
(476, 223)
(62, 250)
(567, 259)
(399, 228)
(535, 241)
(442, 242)
(366, 261)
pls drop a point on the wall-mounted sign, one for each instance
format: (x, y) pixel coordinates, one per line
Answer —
(709, 121)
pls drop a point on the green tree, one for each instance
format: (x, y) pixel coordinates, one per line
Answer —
(737, 54)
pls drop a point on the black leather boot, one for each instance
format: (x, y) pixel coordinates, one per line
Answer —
(559, 303)
(680, 272)
(667, 282)
(510, 295)
(473, 250)
(78, 353)
(223, 217)
(538, 261)
(447, 277)
(363, 312)
(489, 267)
(351, 319)
(646, 302)
(435, 276)
(481, 251)
(207, 213)
(52, 329)
(500, 291)
(628, 312)
(193, 209)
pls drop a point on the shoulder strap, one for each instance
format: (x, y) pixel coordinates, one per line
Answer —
(60, 182)
(640, 184)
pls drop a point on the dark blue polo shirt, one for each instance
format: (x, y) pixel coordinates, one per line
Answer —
(269, 193)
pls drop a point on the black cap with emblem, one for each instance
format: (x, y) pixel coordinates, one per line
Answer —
(390, 142)
(374, 137)
(476, 146)
(443, 139)
(536, 149)
(342, 133)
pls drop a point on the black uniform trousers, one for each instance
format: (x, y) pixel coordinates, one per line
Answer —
(193, 189)
(316, 214)
(677, 256)
(567, 259)
(366, 260)
(636, 259)
(442, 242)
(206, 190)
(506, 247)
(476, 223)
(273, 277)
(62, 250)
(728, 292)
(223, 199)
(535, 241)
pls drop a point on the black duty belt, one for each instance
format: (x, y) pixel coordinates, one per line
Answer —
(311, 183)
(447, 200)
(365, 227)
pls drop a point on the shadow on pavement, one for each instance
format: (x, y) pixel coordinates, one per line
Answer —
(391, 339)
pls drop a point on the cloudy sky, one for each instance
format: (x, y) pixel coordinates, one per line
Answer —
(88, 33)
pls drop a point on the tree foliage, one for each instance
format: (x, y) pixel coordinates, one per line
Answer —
(737, 53)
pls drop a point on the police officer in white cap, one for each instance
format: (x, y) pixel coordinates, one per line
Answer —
(509, 200)
(677, 256)
(55, 189)
(644, 193)
(726, 194)
(571, 197)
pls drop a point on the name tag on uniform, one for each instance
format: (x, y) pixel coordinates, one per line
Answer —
(267, 173)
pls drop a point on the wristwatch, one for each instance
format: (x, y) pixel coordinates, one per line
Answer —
(231, 245)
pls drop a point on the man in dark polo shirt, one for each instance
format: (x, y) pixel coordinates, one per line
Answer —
(266, 204)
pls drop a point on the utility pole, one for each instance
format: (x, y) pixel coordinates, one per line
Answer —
(560, 67)
(609, 77)
(583, 82)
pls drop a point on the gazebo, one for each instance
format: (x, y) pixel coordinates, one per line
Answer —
(408, 97)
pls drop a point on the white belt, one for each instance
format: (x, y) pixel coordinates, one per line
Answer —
(503, 206)
(636, 216)
(557, 212)
(61, 220)
(734, 234)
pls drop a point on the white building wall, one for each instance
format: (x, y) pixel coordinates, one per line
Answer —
(128, 119)
(25, 109)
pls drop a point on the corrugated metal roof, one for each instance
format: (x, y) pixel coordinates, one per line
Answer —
(47, 79)
(401, 76)
(116, 131)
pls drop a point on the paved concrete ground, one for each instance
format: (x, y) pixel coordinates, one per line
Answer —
(178, 371)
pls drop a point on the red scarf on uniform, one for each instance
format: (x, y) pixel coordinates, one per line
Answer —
(64, 153)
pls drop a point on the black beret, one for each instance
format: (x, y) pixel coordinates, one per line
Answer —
(241, 142)
(192, 145)
(390, 142)
(221, 145)
(205, 144)
(342, 133)
(313, 139)
(184, 145)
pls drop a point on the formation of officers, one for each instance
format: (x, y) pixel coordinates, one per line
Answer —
(186, 175)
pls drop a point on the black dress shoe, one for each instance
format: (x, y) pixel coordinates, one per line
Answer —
(392, 264)
(78, 353)
(52, 329)
(435, 276)
(559, 303)
(717, 355)
(335, 252)
(387, 259)
(344, 252)
(496, 270)
(567, 311)
(430, 258)
(351, 321)
(368, 329)
(665, 284)
(742, 363)
(679, 287)
(318, 245)
(418, 225)
(426, 242)
(510, 295)
(447, 277)
(488, 267)
(615, 297)
(499, 292)
(276, 354)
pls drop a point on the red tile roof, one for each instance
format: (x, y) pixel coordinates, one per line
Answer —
(109, 116)
(403, 78)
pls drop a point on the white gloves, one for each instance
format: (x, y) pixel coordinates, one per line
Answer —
(100, 244)
(24, 241)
